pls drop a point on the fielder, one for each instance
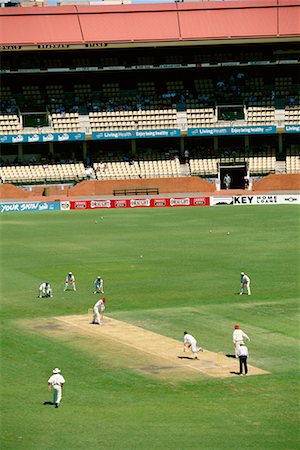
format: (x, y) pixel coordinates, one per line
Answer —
(70, 282)
(98, 311)
(238, 339)
(56, 382)
(189, 342)
(99, 288)
(45, 290)
(245, 282)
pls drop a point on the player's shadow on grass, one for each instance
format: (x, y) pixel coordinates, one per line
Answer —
(230, 356)
(48, 403)
(185, 357)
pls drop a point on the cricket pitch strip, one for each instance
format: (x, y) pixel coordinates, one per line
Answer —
(148, 351)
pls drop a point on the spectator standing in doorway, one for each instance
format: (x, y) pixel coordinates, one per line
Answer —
(227, 181)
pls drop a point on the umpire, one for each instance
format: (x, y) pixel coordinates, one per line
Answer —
(243, 356)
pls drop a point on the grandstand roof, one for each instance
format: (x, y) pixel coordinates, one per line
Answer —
(163, 24)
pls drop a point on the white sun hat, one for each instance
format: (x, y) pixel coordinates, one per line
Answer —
(56, 370)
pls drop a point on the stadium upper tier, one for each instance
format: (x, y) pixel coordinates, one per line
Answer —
(169, 89)
(222, 99)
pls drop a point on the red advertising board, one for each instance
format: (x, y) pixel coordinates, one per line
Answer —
(139, 203)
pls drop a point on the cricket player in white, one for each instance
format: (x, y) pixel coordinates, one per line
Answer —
(245, 281)
(238, 339)
(99, 286)
(45, 290)
(56, 382)
(189, 342)
(98, 311)
(70, 282)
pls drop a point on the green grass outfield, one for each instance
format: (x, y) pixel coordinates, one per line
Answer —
(188, 278)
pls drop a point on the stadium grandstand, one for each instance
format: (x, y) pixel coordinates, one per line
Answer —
(123, 91)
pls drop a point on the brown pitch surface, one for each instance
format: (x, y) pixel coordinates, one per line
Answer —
(140, 349)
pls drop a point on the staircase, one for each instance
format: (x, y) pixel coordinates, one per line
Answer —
(185, 170)
(182, 120)
(84, 122)
(280, 167)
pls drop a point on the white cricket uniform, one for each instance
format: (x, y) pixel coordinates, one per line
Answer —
(45, 290)
(70, 282)
(57, 381)
(191, 342)
(245, 280)
(99, 307)
(238, 338)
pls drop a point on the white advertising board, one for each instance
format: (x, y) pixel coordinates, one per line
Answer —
(281, 199)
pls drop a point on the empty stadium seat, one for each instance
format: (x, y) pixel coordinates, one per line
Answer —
(42, 173)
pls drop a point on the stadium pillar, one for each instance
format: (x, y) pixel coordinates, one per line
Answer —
(246, 141)
(84, 150)
(280, 144)
(20, 151)
(51, 150)
(216, 143)
(181, 143)
(133, 146)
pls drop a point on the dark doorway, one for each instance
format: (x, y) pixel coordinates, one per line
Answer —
(237, 175)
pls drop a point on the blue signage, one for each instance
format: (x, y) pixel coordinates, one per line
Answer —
(292, 129)
(44, 137)
(29, 206)
(263, 129)
(172, 132)
(97, 135)
(222, 131)
(135, 134)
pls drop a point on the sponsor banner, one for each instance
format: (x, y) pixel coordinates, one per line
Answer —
(101, 135)
(80, 204)
(29, 206)
(65, 206)
(134, 203)
(140, 203)
(100, 204)
(256, 200)
(282, 199)
(120, 204)
(222, 131)
(253, 130)
(292, 129)
(160, 202)
(180, 201)
(289, 199)
(200, 201)
(96, 204)
(49, 137)
(135, 134)
(214, 201)
(172, 132)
